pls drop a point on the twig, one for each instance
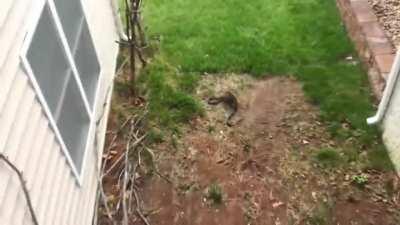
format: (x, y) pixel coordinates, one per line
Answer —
(155, 169)
(119, 70)
(125, 220)
(162, 176)
(24, 188)
(113, 142)
(105, 202)
(138, 210)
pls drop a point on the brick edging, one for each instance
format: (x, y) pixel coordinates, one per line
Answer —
(374, 48)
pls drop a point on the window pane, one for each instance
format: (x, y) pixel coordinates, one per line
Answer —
(73, 123)
(87, 63)
(71, 16)
(48, 61)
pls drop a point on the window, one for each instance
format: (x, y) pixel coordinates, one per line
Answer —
(61, 61)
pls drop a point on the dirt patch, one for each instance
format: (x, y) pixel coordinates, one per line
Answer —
(263, 165)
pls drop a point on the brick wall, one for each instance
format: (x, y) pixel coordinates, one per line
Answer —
(373, 46)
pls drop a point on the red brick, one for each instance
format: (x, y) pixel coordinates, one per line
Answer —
(363, 11)
(384, 62)
(372, 30)
(374, 48)
(380, 46)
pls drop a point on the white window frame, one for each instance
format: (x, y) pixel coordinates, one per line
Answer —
(36, 13)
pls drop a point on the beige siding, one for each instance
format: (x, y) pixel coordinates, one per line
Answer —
(391, 131)
(26, 136)
(5, 6)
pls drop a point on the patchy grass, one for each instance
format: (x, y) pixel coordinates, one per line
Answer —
(328, 157)
(215, 194)
(378, 159)
(268, 37)
(262, 37)
(321, 215)
(155, 136)
(168, 96)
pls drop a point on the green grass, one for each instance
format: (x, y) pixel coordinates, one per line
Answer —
(304, 38)
(328, 157)
(215, 194)
(321, 215)
(168, 98)
(378, 159)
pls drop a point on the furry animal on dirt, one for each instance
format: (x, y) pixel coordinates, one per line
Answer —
(229, 103)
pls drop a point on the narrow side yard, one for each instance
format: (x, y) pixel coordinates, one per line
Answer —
(305, 39)
(300, 151)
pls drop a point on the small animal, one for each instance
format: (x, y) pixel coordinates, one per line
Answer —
(229, 103)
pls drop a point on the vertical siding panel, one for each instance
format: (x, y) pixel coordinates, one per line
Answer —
(7, 76)
(25, 109)
(13, 186)
(44, 178)
(4, 10)
(6, 120)
(23, 151)
(8, 116)
(49, 205)
(34, 186)
(65, 203)
(38, 162)
(25, 148)
(30, 133)
(13, 27)
(74, 206)
(8, 204)
(11, 39)
(45, 182)
(42, 140)
(86, 192)
(91, 201)
(60, 202)
(92, 178)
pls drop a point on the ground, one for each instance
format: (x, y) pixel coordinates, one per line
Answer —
(300, 151)
(264, 167)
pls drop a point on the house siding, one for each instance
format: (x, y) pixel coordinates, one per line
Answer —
(391, 128)
(26, 137)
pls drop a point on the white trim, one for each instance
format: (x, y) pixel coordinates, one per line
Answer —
(387, 94)
(68, 53)
(117, 19)
(36, 14)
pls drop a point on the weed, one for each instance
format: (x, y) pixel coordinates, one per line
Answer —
(215, 193)
(321, 215)
(360, 180)
(168, 106)
(328, 157)
(378, 159)
(174, 142)
(155, 136)
(211, 129)
(188, 82)
(351, 155)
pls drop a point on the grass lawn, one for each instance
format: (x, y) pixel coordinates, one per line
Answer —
(261, 37)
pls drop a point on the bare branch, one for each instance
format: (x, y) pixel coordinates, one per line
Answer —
(24, 188)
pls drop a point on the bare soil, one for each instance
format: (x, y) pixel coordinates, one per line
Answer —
(263, 164)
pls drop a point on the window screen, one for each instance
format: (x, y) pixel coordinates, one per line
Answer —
(66, 70)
